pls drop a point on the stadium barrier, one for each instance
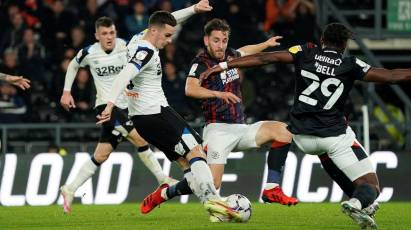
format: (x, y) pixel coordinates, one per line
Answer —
(35, 179)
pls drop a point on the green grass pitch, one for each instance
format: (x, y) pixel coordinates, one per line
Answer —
(394, 215)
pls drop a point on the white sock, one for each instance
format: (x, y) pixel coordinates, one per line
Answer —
(204, 179)
(86, 171)
(269, 186)
(151, 162)
(192, 183)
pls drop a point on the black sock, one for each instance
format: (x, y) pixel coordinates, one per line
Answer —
(95, 161)
(142, 148)
(276, 161)
(181, 188)
(366, 194)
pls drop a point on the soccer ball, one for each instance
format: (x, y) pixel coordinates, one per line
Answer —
(238, 203)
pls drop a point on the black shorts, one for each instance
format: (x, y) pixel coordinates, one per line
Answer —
(116, 128)
(168, 131)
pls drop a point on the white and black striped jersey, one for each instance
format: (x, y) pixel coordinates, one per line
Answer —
(104, 68)
(324, 78)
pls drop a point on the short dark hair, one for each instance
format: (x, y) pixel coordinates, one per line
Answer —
(216, 24)
(336, 35)
(104, 22)
(161, 18)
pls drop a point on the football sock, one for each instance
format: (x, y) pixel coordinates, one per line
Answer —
(365, 194)
(276, 161)
(204, 179)
(86, 171)
(181, 188)
(192, 183)
(151, 162)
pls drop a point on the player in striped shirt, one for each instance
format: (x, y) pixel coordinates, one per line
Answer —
(225, 129)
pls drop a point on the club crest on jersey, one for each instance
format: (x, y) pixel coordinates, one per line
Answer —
(140, 55)
(229, 76)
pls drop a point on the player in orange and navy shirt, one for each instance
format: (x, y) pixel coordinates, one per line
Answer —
(225, 129)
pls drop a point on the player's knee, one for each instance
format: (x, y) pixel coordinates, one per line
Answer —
(100, 158)
(136, 139)
(282, 134)
(369, 179)
(197, 151)
(183, 163)
(277, 131)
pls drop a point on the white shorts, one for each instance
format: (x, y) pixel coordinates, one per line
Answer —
(220, 139)
(344, 150)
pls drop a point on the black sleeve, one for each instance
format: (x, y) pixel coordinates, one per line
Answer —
(298, 51)
(197, 67)
(81, 55)
(141, 57)
(359, 69)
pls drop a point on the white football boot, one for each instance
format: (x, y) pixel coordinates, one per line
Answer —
(359, 216)
(68, 197)
(372, 209)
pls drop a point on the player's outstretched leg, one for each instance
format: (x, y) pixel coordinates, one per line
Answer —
(86, 171)
(272, 192)
(344, 182)
(277, 134)
(67, 191)
(166, 192)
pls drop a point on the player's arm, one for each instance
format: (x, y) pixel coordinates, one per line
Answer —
(18, 81)
(137, 63)
(119, 85)
(387, 75)
(184, 14)
(256, 48)
(80, 60)
(254, 60)
(66, 100)
(195, 90)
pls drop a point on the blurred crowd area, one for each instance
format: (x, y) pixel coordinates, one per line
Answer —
(40, 37)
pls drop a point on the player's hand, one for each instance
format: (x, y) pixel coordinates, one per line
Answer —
(105, 115)
(273, 41)
(228, 97)
(67, 101)
(202, 6)
(19, 81)
(209, 72)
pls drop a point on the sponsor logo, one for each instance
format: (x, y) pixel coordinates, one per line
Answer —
(108, 70)
(295, 49)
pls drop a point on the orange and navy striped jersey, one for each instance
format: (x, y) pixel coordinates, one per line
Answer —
(216, 110)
